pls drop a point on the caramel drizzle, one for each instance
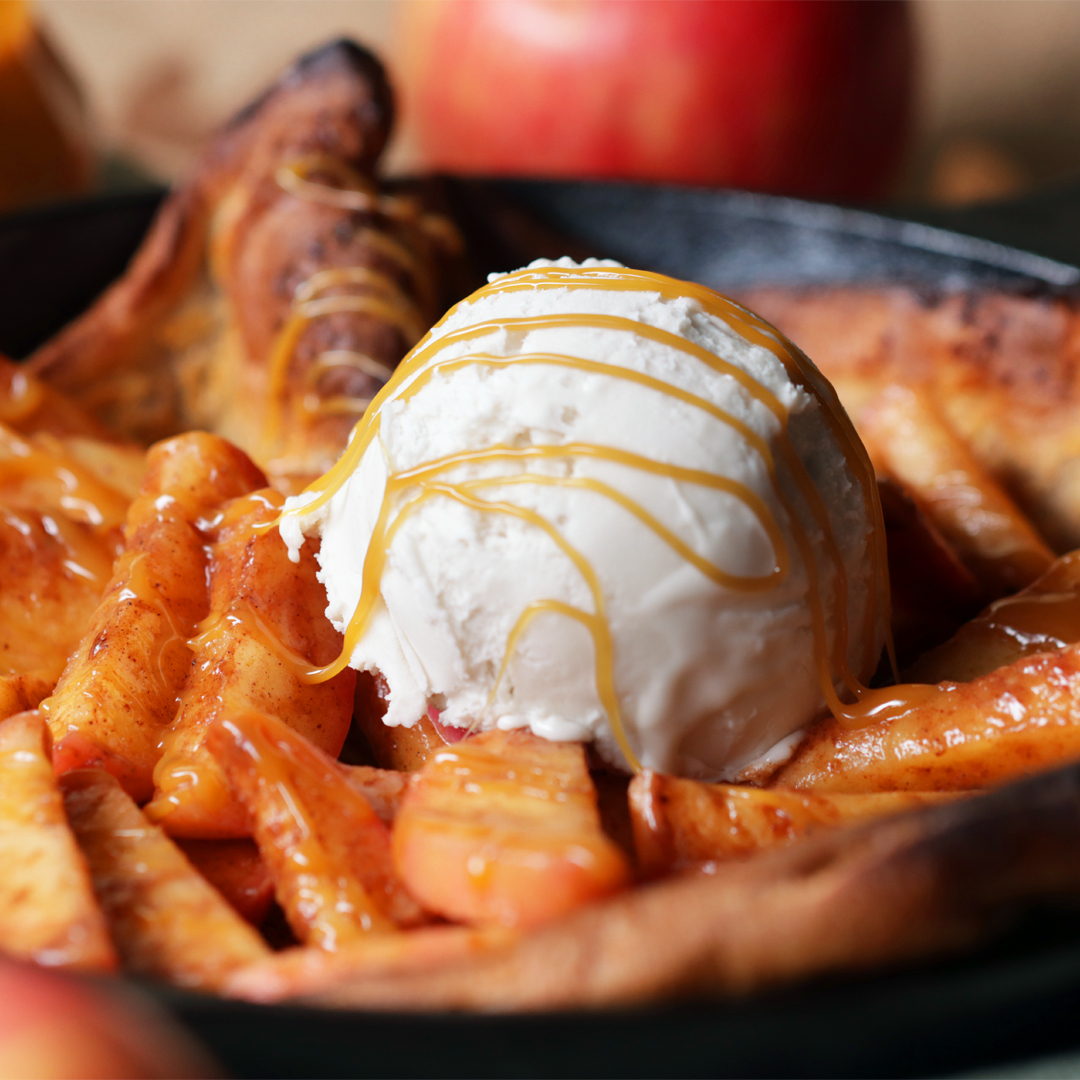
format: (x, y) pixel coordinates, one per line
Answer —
(139, 585)
(412, 375)
(82, 496)
(90, 511)
(803, 373)
(382, 298)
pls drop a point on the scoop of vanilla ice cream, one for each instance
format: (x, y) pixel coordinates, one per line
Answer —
(707, 678)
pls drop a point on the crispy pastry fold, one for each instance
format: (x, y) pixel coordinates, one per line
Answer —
(276, 290)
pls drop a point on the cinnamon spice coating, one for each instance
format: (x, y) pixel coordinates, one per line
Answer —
(276, 289)
(930, 882)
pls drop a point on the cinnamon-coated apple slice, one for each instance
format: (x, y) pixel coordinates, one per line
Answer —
(1041, 617)
(681, 824)
(237, 870)
(382, 788)
(401, 749)
(20, 693)
(266, 627)
(1018, 720)
(503, 828)
(847, 900)
(52, 574)
(48, 912)
(167, 921)
(120, 688)
(326, 847)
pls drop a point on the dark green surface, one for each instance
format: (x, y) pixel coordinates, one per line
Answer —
(1046, 222)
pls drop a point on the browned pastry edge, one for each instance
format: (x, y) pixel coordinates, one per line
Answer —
(168, 257)
(334, 101)
(850, 900)
(1003, 369)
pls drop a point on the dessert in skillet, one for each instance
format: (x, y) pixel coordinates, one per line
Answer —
(507, 708)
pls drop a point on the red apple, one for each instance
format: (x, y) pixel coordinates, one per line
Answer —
(805, 97)
(57, 1026)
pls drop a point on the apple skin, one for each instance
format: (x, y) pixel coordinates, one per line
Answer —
(54, 1025)
(801, 97)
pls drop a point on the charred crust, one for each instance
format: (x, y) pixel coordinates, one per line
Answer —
(342, 56)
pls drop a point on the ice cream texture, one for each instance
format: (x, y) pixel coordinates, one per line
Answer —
(607, 506)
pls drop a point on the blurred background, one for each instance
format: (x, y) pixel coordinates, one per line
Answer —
(992, 110)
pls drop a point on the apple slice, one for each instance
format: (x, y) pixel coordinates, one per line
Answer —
(503, 828)
(237, 870)
(48, 912)
(325, 845)
(679, 824)
(119, 691)
(167, 921)
(265, 629)
(19, 693)
(403, 749)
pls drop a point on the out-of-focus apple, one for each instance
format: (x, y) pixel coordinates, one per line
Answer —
(44, 149)
(805, 97)
(52, 1026)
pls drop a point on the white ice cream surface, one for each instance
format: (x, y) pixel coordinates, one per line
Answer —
(707, 678)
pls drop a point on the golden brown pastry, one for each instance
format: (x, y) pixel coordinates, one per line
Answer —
(276, 289)
(1003, 370)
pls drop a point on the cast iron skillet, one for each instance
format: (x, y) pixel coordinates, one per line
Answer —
(1018, 997)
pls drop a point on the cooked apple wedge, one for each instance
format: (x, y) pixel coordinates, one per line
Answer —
(847, 900)
(401, 749)
(680, 824)
(52, 575)
(327, 848)
(1020, 719)
(909, 439)
(382, 788)
(167, 921)
(48, 912)
(265, 629)
(237, 870)
(1043, 617)
(19, 693)
(503, 828)
(28, 405)
(119, 690)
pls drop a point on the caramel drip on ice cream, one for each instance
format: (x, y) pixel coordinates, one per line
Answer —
(406, 490)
